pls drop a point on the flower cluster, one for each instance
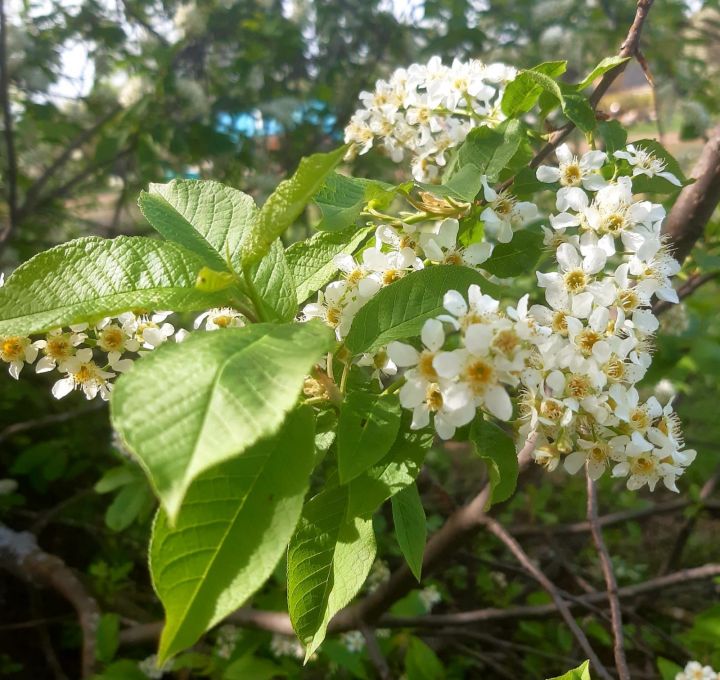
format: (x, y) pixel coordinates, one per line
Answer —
(696, 671)
(88, 357)
(428, 109)
(575, 361)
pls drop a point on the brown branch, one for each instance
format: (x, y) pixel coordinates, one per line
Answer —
(629, 48)
(21, 556)
(11, 170)
(610, 582)
(541, 611)
(696, 203)
(560, 604)
(376, 656)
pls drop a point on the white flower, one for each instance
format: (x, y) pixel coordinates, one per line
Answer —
(333, 308)
(149, 331)
(220, 317)
(429, 597)
(57, 347)
(646, 163)
(381, 363)
(595, 453)
(574, 172)
(17, 351)
(505, 214)
(83, 373)
(439, 244)
(694, 670)
(353, 641)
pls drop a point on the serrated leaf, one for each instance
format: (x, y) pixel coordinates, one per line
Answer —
(230, 533)
(410, 527)
(396, 471)
(491, 149)
(312, 262)
(329, 558)
(582, 672)
(204, 216)
(189, 406)
(601, 69)
(91, 278)
(287, 203)
(399, 310)
(274, 283)
(519, 256)
(367, 429)
(497, 448)
(341, 199)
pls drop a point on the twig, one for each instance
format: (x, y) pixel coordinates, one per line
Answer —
(522, 557)
(11, 170)
(540, 611)
(610, 582)
(21, 556)
(696, 203)
(16, 428)
(376, 656)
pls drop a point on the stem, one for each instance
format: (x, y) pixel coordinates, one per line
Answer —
(344, 377)
(610, 582)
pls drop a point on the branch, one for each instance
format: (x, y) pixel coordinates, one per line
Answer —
(541, 611)
(610, 582)
(21, 556)
(629, 48)
(374, 652)
(11, 169)
(696, 203)
(560, 604)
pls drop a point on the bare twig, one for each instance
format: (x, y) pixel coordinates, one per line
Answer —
(696, 203)
(610, 582)
(11, 169)
(21, 556)
(376, 656)
(17, 428)
(522, 557)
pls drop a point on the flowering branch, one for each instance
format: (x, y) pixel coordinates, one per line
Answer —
(610, 582)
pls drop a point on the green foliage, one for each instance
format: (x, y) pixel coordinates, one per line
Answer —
(273, 283)
(341, 199)
(399, 310)
(367, 428)
(497, 449)
(490, 150)
(410, 526)
(517, 257)
(329, 558)
(286, 204)
(91, 278)
(421, 663)
(236, 387)
(205, 217)
(582, 672)
(311, 262)
(230, 532)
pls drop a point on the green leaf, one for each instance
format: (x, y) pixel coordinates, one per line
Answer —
(341, 199)
(519, 256)
(231, 531)
(582, 672)
(206, 217)
(116, 477)
(312, 262)
(134, 499)
(524, 91)
(497, 449)
(490, 150)
(108, 637)
(421, 663)
(192, 405)
(396, 471)
(526, 184)
(399, 310)
(274, 283)
(254, 667)
(410, 527)
(367, 429)
(668, 669)
(602, 68)
(91, 278)
(329, 558)
(287, 203)
(613, 135)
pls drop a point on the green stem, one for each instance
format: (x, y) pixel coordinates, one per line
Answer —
(394, 387)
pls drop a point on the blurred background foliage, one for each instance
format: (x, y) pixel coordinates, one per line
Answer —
(106, 96)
